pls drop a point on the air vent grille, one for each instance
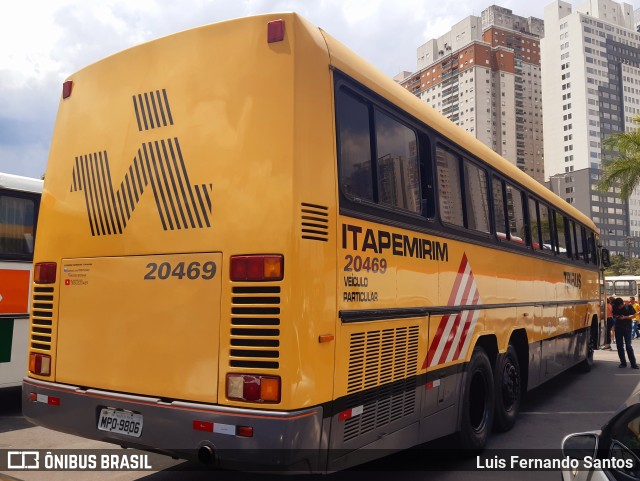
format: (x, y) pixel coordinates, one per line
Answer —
(42, 318)
(382, 406)
(255, 327)
(381, 357)
(382, 378)
(315, 222)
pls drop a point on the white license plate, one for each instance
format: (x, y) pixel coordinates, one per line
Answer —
(120, 422)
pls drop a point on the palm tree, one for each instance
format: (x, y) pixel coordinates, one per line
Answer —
(623, 168)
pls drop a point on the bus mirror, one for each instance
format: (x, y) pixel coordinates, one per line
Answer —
(604, 257)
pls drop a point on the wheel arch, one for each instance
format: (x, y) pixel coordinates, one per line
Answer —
(520, 341)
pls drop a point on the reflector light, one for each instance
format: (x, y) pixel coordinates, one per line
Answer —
(253, 388)
(245, 431)
(67, 86)
(43, 398)
(203, 426)
(40, 364)
(44, 273)
(257, 268)
(275, 31)
(350, 413)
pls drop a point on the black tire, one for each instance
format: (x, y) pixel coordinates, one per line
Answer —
(508, 381)
(476, 417)
(586, 365)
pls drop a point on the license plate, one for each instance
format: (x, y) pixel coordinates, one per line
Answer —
(121, 422)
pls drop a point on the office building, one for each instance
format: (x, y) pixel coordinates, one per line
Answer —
(484, 75)
(591, 84)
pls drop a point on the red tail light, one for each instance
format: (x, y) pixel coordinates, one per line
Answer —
(253, 388)
(45, 273)
(257, 268)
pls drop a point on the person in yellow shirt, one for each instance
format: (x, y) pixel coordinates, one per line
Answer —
(635, 329)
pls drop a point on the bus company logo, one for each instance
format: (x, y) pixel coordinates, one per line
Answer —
(455, 331)
(157, 166)
(23, 460)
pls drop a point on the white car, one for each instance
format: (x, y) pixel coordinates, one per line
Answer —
(613, 453)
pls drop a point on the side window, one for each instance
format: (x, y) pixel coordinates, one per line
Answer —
(609, 286)
(515, 213)
(498, 207)
(534, 224)
(579, 242)
(397, 164)
(563, 246)
(17, 220)
(593, 252)
(449, 191)
(476, 198)
(545, 228)
(355, 146)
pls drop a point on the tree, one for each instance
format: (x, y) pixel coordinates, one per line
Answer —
(623, 167)
(622, 266)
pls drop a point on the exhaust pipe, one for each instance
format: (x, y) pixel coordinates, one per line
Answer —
(206, 454)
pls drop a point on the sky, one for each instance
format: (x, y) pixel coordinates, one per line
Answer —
(42, 42)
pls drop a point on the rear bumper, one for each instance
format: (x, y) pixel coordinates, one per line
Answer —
(281, 440)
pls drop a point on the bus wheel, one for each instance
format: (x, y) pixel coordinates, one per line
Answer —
(587, 363)
(477, 403)
(508, 390)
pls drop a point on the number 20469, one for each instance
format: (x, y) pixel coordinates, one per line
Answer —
(181, 270)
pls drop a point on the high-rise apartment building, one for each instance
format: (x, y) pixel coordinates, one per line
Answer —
(484, 75)
(591, 84)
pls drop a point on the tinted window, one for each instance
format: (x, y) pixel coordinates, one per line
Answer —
(593, 252)
(355, 147)
(561, 234)
(579, 242)
(449, 192)
(534, 224)
(17, 218)
(515, 214)
(498, 207)
(397, 164)
(476, 198)
(545, 228)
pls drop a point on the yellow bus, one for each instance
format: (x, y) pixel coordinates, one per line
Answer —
(257, 249)
(19, 203)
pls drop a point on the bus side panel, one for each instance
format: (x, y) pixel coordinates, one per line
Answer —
(14, 326)
(14, 333)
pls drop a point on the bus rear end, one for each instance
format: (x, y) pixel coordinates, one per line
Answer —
(172, 248)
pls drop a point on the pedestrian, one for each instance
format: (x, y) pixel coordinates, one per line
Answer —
(635, 332)
(608, 334)
(624, 314)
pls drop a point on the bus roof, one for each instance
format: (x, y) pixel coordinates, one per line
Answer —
(622, 278)
(20, 183)
(348, 62)
(345, 60)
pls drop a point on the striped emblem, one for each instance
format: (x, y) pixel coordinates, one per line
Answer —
(152, 110)
(455, 331)
(159, 165)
